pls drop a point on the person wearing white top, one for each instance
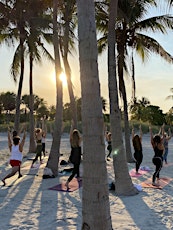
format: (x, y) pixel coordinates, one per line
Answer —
(16, 149)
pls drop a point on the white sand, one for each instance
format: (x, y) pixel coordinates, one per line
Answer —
(27, 203)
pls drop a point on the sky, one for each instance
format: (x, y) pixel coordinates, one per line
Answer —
(154, 78)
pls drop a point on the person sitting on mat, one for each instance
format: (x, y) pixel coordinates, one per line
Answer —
(16, 148)
(75, 156)
(137, 144)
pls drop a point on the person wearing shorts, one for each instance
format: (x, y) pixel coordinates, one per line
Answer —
(16, 149)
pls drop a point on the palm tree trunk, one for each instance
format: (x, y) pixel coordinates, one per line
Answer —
(133, 79)
(129, 156)
(71, 93)
(32, 145)
(95, 185)
(18, 97)
(123, 183)
(122, 89)
(68, 18)
(53, 160)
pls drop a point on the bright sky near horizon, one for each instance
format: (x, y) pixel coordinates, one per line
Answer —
(154, 78)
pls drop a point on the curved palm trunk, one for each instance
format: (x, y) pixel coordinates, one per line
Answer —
(71, 94)
(68, 18)
(120, 47)
(123, 183)
(53, 160)
(19, 93)
(32, 145)
(95, 198)
(133, 79)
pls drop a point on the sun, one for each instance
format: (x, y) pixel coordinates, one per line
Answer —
(63, 78)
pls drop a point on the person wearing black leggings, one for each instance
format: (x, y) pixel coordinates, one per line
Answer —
(75, 156)
(157, 160)
(137, 144)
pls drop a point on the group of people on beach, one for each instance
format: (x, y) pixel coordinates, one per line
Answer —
(16, 149)
(159, 143)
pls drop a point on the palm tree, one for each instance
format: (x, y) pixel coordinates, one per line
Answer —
(52, 164)
(20, 14)
(137, 108)
(67, 39)
(129, 27)
(37, 27)
(123, 183)
(95, 185)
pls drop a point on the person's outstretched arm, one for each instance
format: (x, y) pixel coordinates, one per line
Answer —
(23, 141)
(9, 140)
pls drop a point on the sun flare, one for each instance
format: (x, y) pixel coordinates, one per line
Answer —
(63, 78)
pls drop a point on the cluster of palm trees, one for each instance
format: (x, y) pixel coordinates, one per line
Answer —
(121, 26)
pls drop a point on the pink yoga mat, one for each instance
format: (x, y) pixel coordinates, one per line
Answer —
(132, 173)
(161, 183)
(73, 185)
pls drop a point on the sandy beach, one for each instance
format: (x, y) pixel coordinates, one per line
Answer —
(28, 203)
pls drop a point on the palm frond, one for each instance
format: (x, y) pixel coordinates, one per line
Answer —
(15, 66)
(146, 45)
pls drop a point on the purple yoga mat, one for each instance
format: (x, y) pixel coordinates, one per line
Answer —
(73, 185)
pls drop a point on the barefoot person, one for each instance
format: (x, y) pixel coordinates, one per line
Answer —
(158, 148)
(137, 144)
(75, 157)
(16, 149)
(38, 137)
(166, 137)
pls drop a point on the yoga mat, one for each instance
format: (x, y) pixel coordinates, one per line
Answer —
(132, 173)
(162, 183)
(73, 185)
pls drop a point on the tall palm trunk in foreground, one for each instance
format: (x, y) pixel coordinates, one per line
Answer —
(95, 199)
(53, 160)
(123, 183)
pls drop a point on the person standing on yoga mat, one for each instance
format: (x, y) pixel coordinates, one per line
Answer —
(137, 145)
(166, 137)
(38, 137)
(16, 148)
(75, 156)
(157, 143)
